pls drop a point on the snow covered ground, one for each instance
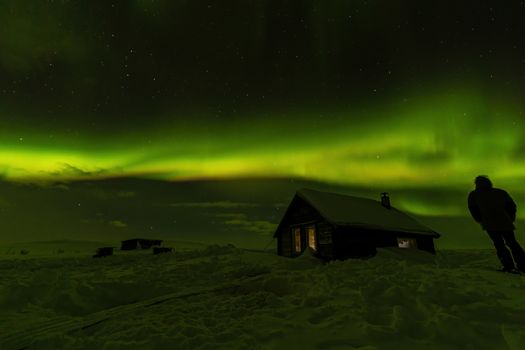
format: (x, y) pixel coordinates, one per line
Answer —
(220, 297)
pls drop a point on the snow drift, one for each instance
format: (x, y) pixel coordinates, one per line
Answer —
(222, 297)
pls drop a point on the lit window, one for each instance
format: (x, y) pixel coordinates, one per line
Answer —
(297, 239)
(406, 243)
(310, 231)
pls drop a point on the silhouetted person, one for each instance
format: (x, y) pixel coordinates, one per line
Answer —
(495, 210)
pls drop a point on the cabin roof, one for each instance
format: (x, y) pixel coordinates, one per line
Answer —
(343, 210)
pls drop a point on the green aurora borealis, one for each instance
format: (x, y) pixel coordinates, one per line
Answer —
(440, 140)
(366, 94)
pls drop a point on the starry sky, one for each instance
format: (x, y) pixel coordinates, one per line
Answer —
(418, 95)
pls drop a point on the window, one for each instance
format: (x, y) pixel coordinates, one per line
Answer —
(310, 233)
(297, 239)
(406, 243)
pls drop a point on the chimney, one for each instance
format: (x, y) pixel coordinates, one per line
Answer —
(385, 200)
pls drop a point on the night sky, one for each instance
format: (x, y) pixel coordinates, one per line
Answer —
(397, 95)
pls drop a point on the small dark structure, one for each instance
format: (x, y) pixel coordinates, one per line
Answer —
(160, 250)
(139, 243)
(103, 252)
(337, 226)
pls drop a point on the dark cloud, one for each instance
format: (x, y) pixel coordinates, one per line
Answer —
(78, 213)
(118, 224)
(63, 187)
(72, 171)
(126, 194)
(242, 222)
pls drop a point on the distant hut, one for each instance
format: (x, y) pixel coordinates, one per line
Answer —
(103, 252)
(337, 226)
(139, 243)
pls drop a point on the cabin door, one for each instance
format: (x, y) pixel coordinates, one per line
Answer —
(304, 237)
(311, 238)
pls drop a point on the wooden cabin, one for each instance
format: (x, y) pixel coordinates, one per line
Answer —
(139, 243)
(103, 252)
(338, 226)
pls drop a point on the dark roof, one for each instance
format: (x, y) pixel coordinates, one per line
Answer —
(343, 210)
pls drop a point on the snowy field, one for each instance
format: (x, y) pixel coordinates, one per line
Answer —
(220, 297)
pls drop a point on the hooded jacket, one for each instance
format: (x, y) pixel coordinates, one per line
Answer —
(493, 208)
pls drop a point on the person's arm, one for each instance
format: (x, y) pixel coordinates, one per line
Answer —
(510, 207)
(473, 208)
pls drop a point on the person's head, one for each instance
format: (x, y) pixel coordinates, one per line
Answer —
(483, 181)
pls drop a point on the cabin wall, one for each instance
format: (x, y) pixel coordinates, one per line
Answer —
(359, 243)
(353, 243)
(384, 239)
(299, 213)
(285, 242)
(389, 239)
(325, 246)
(426, 244)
